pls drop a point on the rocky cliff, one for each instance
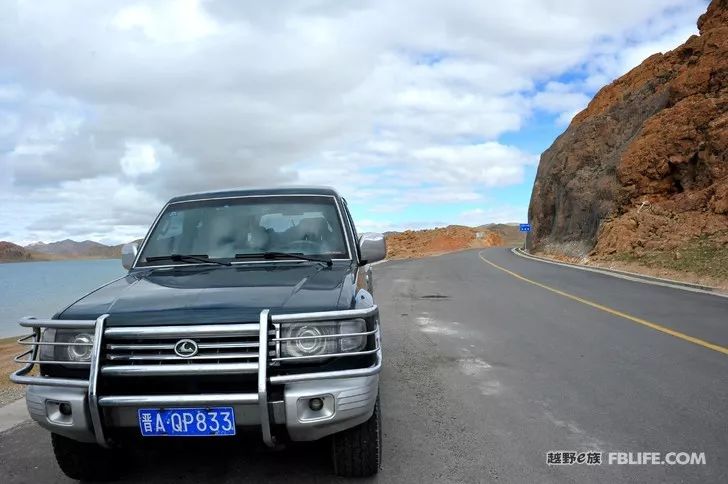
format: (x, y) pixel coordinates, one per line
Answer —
(645, 166)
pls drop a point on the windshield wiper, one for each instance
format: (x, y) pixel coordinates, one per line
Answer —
(186, 258)
(284, 255)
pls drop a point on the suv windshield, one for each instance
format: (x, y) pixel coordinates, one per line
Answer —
(224, 228)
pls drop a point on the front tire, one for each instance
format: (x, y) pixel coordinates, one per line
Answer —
(357, 452)
(83, 461)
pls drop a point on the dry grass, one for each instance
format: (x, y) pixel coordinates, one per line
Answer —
(701, 261)
(701, 257)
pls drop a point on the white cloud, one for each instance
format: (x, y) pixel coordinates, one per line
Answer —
(488, 164)
(10, 93)
(493, 214)
(399, 104)
(382, 226)
(633, 56)
(8, 124)
(661, 33)
(167, 21)
(139, 159)
(562, 99)
(101, 208)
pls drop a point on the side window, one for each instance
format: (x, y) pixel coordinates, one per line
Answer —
(353, 227)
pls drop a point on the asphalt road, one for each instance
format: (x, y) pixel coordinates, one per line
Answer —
(486, 372)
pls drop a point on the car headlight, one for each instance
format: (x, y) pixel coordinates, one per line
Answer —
(80, 350)
(314, 340)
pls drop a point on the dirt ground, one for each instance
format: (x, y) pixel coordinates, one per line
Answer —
(9, 391)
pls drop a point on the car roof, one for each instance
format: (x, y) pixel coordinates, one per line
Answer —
(244, 192)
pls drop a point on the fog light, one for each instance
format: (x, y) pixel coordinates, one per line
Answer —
(315, 404)
(65, 408)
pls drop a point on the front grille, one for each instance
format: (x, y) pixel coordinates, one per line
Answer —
(143, 359)
(161, 351)
(150, 351)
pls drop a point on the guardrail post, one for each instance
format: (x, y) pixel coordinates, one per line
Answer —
(263, 378)
(93, 401)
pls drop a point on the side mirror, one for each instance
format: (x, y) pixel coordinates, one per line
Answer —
(372, 247)
(128, 254)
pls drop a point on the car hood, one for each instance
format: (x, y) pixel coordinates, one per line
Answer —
(207, 294)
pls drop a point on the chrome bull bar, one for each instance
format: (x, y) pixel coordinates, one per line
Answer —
(268, 325)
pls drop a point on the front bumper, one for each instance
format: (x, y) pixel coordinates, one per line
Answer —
(349, 395)
(347, 403)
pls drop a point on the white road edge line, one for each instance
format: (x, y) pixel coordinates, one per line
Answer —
(618, 275)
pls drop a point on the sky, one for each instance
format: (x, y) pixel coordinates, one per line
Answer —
(421, 113)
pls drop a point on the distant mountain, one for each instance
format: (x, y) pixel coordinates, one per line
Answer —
(71, 249)
(63, 249)
(10, 252)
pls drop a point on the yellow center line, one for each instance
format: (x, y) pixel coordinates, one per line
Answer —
(655, 326)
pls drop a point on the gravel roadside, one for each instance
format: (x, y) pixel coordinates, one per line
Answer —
(9, 391)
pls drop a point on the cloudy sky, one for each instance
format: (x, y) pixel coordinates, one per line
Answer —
(421, 112)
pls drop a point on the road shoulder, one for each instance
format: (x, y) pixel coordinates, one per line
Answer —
(13, 414)
(629, 276)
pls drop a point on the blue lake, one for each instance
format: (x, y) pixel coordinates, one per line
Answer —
(41, 289)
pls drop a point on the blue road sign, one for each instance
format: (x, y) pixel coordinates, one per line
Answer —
(524, 227)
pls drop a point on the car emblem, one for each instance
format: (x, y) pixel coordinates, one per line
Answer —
(186, 348)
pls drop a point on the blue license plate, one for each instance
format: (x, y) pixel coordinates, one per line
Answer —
(187, 422)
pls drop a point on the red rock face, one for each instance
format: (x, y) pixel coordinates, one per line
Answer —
(421, 243)
(645, 165)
